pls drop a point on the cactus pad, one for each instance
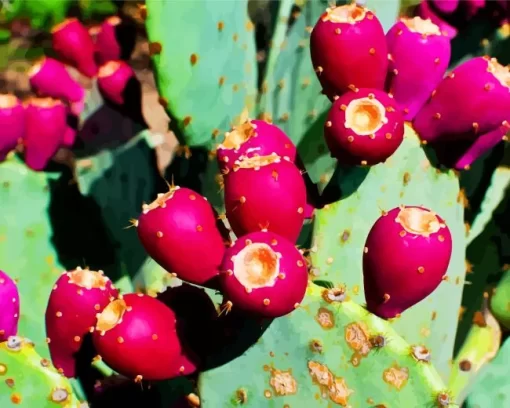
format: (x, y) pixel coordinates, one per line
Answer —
(328, 352)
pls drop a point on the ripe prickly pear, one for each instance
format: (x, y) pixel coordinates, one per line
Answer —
(425, 11)
(107, 46)
(178, 230)
(9, 307)
(49, 77)
(348, 50)
(418, 50)
(468, 106)
(12, 123)
(136, 335)
(77, 297)
(364, 127)
(46, 124)
(112, 79)
(253, 138)
(406, 256)
(254, 186)
(263, 273)
(73, 43)
(445, 6)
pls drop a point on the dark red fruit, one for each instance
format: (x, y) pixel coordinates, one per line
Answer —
(136, 336)
(49, 77)
(112, 79)
(406, 256)
(107, 46)
(77, 297)
(178, 230)
(420, 54)
(348, 50)
(73, 43)
(46, 124)
(9, 306)
(253, 138)
(12, 123)
(263, 273)
(364, 127)
(266, 192)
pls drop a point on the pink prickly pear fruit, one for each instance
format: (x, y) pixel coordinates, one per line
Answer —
(348, 50)
(46, 124)
(253, 138)
(136, 336)
(445, 6)
(254, 186)
(70, 133)
(12, 123)
(112, 79)
(418, 49)
(425, 11)
(406, 256)
(9, 305)
(364, 127)
(49, 77)
(73, 43)
(178, 230)
(264, 274)
(473, 100)
(75, 300)
(107, 46)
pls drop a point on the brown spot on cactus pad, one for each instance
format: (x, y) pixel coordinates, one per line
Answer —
(283, 383)
(325, 318)
(358, 338)
(396, 376)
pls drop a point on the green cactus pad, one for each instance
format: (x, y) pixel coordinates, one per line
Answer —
(341, 228)
(481, 346)
(493, 387)
(29, 380)
(206, 76)
(26, 247)
(500, 301)
(329, 352)
(120, 180)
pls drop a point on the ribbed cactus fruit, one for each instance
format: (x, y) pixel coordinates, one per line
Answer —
(77, 297)
(12, 122)
(348, 50)
(328, 351)
(28, 379)
(9, 301)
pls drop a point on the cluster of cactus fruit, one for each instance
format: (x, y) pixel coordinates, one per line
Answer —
(289, 312)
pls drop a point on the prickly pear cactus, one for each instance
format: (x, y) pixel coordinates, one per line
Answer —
(26, 248)
(214, 65)
(30, 380)
(341, 228)
(330, 351)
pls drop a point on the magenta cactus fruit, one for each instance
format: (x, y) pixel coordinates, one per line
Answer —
(425, 11)
(364, 127)
(253, 138)
(9, 306)
(445, 6)
(107, 46)
(473, 100)
(49, 77)
(265, 274)
(112, 79)
(136, 336)
(406, 256)
(178, 230)
(75, 300)
(12, 123)
(73, 43)
(348, 50)
(418, 49)
(254, 186)
(46, 124)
